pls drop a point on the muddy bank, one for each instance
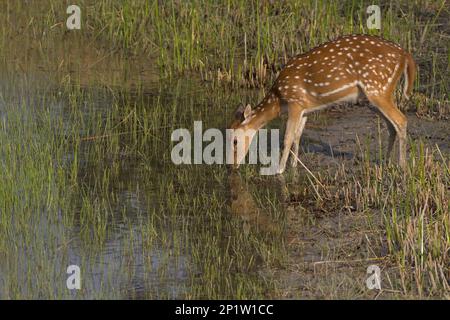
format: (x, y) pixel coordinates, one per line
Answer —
(330, 250)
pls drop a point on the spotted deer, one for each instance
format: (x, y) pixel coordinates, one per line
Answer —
(346, 69)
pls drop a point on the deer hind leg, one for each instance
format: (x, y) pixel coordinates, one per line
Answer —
(397, 125)
(294, 118)
(296, 145)
(392, 138)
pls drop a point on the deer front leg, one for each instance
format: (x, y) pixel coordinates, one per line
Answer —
(293, 121)
(298, 134)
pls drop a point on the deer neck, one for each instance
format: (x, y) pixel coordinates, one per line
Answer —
(264, 112)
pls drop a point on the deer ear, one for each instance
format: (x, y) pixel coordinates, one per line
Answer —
(247, 111)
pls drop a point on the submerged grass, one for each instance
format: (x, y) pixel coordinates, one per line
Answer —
(415, 210)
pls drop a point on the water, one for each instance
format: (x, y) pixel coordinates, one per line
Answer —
(137, 225)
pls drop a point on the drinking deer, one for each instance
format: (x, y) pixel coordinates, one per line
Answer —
(342, 70)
